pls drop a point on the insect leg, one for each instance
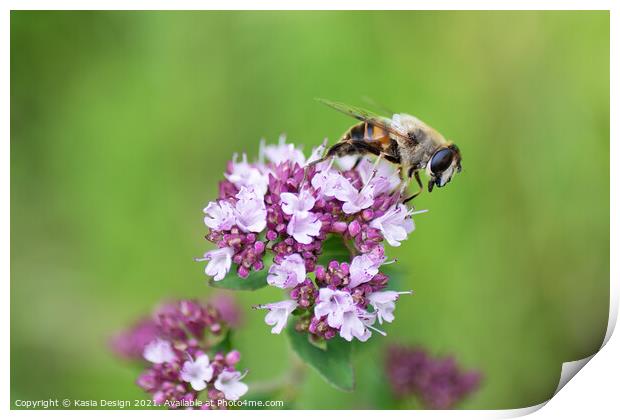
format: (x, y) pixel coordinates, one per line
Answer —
(416, 174)
(374, 168)
(316, 162)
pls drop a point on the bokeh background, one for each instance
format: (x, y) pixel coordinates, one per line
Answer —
(121, 124)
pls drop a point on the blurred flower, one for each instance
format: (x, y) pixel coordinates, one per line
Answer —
(438, 383)
(182, 360)
(197, 372)
(282, 206)
(228, 308)
(159, 351)
(130, 343)
(229, 382)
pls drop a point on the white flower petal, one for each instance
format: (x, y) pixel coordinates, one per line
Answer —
(363, 269)
(219, 263)
(159, 351)
(394, 225)
(197, 372)
(219, 215)
(250, 211)
(303, 226)
(333, 303)
(278, 314)
(245, 175)
(289, 273)
(230, 384)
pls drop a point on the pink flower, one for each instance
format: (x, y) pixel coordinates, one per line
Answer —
(242, 174)
(282, 152)
(229, 382)
(219, 262)
(363, 268)
(219, 215)
(384, 304)
(250, 211)
(197, 372)
(289, 273)
(395, 224)
(159, 351)
(334, 304)
(297, 203)
(283, 207)
(354, 200)
(278, 314)
(385, 179)
(355, 324)
(303, 226)
(329, 182)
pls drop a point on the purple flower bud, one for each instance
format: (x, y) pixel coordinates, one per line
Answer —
(373, 234)
(259, 247)
(243, 272)
(232, 358)
(339, 227)
(178, 362)
(354, 228)
(367, 215)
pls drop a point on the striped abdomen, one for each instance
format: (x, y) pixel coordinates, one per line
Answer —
(367, 137)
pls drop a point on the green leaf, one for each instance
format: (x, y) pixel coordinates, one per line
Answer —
(256, 280)
(333, 363)
(334, 249)
(225, 344)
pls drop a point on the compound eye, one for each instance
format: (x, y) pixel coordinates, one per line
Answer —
(441, 161)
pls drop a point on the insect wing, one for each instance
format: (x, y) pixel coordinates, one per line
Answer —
(365, 115)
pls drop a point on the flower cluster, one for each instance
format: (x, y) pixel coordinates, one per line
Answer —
(179, 343)
(283, 205)
(438, 383)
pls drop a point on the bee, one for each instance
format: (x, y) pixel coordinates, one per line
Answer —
(403, 140)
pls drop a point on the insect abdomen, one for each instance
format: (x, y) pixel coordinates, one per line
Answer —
(368, 132)
(366, 137)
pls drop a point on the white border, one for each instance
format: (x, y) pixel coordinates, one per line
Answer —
(595, 390)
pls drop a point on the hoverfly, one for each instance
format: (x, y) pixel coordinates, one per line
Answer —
(403, 140)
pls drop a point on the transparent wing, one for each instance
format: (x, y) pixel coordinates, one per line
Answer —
(365, 115)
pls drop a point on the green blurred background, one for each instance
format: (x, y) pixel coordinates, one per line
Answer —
(121, 124)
